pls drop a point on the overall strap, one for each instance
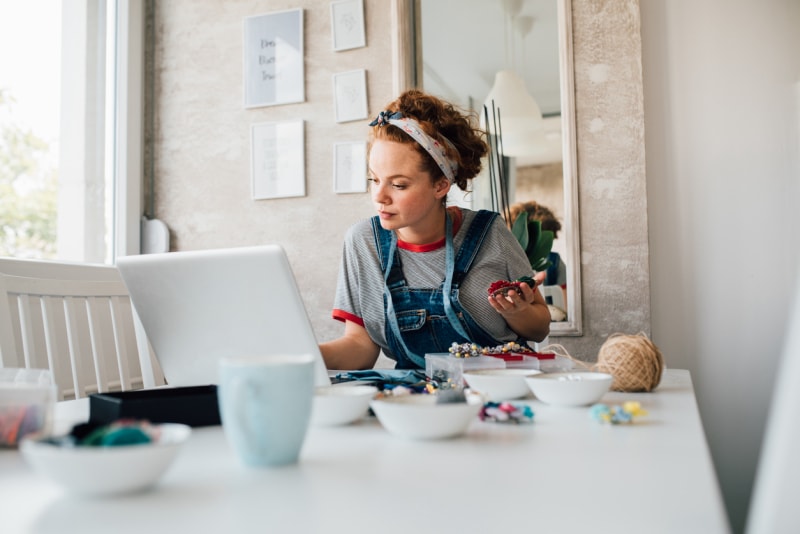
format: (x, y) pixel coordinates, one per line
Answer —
(472, 243)
(391, 316)
(448, 280)
(386, 244)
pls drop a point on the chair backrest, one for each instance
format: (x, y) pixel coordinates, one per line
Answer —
(76, 320)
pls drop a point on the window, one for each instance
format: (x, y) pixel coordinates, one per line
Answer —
(70, 128)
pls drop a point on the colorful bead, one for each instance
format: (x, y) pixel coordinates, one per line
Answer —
(616, 414)
(506, 412)
(464, 350)
(468, 350)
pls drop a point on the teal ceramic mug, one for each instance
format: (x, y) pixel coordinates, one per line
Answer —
(265, 406)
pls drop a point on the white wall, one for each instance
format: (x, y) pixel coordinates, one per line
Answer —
(721, 90)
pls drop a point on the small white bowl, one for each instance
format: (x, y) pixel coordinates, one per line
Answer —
(500, 384)
(341, 404)
(418, 416)
(570, 388)
(94, 471)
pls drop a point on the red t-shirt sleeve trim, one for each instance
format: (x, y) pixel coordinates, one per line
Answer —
(341, 315)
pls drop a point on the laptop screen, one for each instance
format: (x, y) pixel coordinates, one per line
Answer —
(198, 306)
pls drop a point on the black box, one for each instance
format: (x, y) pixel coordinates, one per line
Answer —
(193, 406)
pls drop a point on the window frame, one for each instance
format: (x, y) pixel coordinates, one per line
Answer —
(129, 128)
(101, 174)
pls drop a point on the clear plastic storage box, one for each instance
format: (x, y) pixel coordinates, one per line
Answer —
(515, 360)
(445, 370)
(27, 401)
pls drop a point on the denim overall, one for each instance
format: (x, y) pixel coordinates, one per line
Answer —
(420, 321)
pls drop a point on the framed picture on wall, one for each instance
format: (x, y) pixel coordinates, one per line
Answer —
(347, 24)
(273, 59)
(350, 167)
(277, 159)
(350, 93)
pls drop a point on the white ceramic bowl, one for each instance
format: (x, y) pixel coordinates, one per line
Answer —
(106, 470)
(500, 384)
(419, 417)
(341, 404)
(570, 388)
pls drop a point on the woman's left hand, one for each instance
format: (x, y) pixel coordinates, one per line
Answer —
(515, 302)
(525, 310)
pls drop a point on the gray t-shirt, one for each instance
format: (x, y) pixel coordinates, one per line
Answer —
(359, 291)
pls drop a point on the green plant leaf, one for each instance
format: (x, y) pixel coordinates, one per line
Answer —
(534, 231)
(540, 251)
(520, 230)
(536, 243)
(539, 245)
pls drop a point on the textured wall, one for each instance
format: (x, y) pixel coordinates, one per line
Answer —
(199, 145)
(611, 172)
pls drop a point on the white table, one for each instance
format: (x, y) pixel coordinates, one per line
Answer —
(563, 473)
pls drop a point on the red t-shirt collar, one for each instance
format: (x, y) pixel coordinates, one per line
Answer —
(455, 215)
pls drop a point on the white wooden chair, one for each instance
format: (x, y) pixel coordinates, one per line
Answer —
(76, 320)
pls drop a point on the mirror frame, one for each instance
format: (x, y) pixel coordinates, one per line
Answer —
(407, 64)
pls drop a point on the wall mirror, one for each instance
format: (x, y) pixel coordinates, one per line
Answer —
(455, 49)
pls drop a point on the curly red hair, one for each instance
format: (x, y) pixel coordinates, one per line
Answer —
(439, 119)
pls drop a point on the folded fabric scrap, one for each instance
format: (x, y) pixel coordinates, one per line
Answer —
(617, 414)
(122, 432)
(407, 377)
(506, 412)
(115, 434)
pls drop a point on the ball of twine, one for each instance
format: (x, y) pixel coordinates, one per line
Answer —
(633, 360)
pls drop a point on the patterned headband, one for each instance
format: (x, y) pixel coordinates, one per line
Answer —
(432, 146)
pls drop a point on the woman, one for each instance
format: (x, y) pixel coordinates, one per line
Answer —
(414, 278)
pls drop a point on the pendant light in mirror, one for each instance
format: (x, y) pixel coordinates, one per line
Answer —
(520, 118)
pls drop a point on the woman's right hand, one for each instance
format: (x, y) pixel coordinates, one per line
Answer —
(355, 350)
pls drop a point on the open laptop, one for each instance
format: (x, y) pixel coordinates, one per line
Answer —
(198, 306)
